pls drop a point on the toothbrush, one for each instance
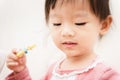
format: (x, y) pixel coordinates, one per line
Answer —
(25, 51)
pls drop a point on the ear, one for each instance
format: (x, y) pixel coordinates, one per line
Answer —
(106, 25)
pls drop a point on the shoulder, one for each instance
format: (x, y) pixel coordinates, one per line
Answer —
(107, 72)
(110, 74)
(48, 74)
(51, 68)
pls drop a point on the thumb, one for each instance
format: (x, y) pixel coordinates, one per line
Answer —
(14, 50)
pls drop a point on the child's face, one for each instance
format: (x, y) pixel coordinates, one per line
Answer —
(74, 28)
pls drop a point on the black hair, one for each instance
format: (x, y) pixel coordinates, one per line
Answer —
(99, 7)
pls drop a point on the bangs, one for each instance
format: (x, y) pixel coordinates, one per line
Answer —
(61, 2)
(52, 4)
(99, 7)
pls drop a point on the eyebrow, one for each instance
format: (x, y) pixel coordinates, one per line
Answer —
(54, 16)
(75, 15)
(80, 14)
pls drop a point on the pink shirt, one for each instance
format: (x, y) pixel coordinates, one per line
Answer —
(95, 71)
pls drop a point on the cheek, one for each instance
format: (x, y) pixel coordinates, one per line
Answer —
(55, 38)
(89, 39)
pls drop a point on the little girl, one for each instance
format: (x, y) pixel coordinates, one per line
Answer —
(76, 26)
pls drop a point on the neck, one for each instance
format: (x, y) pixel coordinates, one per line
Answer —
(82, 57)
(78, 62)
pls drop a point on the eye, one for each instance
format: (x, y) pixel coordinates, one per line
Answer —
(57, 24)
(80, 24)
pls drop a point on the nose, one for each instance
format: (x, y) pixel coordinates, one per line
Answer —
(67, 31)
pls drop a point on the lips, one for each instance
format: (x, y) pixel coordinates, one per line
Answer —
(69, 44)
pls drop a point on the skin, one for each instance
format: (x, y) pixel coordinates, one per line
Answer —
(75, 30)
(17, 64)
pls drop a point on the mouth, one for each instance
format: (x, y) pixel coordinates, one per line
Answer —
(69, 44)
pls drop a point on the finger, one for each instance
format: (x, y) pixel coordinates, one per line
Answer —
(12, 64)
(12, 56)
(14, 50)
(11, 60)
(22, 60)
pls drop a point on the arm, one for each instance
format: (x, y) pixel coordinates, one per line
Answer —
(110, 74)
(18, 66)
(23, 75)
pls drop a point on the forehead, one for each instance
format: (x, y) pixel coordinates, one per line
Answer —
(71, 3)
(70, 6)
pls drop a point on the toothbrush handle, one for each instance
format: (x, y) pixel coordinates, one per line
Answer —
(20, 53)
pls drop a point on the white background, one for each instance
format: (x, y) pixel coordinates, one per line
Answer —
(22, 23)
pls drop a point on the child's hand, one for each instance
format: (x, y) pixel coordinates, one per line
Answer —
(15, 63)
